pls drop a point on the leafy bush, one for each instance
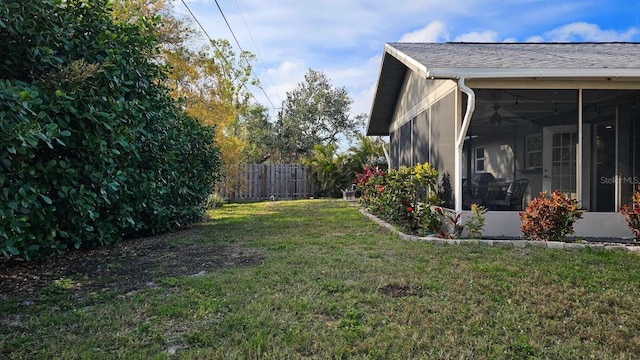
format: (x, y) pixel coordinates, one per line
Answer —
(550, 218)
(93, 149)
(452, 227)
(632, 214)
(476, 222)
(403, 197)
(214, 201)
(335, 171)
(328, 167)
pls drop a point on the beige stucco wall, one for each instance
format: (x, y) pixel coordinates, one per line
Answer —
(499, 158)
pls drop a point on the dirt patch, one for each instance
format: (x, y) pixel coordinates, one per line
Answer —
(128, 266)
(397, 290)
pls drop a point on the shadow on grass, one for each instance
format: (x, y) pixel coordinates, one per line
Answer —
(221, 240)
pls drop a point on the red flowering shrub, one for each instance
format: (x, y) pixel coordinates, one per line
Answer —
(550, 218)
(632, 214)
(403, 197)
(454, 227)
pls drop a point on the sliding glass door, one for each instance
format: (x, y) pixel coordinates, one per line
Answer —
(613, 152)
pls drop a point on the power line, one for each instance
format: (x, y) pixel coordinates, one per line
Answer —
(219, 50)
(240, 47)
(253, 41)
(208, 37)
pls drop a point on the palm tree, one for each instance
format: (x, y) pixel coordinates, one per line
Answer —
(367, 151)
(328, 167)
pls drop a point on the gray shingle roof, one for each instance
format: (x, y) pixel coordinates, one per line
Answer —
(524, 55)
(495, 60)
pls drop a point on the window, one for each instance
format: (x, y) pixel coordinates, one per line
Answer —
(533, 150)
(480, 159)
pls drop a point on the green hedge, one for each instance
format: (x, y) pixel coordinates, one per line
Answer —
(93, 149)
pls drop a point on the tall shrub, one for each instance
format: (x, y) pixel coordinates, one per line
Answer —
(92, 147)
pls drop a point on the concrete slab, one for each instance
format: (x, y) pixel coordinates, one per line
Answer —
(574, 246)
(555, 245)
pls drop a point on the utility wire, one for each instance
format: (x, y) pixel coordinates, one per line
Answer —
(253, 41)
(240, 47)
(219, 50)
(203, 30)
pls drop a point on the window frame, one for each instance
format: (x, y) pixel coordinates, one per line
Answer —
(480, 160)
(528, 151)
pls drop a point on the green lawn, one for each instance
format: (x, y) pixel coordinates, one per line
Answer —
(316, 279)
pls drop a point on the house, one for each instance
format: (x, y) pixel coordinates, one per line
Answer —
(545, 116)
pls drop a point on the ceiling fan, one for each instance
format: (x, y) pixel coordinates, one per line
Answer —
(496, 118)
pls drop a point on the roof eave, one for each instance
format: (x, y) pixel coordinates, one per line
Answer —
(390, 56)
(475, 73)
(407, 60)
(390, 52)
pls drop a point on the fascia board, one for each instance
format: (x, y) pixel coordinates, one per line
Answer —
(475, 73)
(410, 62)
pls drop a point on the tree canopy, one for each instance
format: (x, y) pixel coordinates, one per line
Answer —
(213, 79)
(314, 113)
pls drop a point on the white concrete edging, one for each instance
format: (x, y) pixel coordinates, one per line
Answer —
(555, 245)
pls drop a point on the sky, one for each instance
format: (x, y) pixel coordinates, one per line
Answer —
(345, 38)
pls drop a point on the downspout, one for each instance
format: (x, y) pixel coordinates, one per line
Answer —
(471, 106)
(386, 154)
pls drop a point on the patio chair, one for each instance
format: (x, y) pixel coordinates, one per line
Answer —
(480, 187)
(513, 198)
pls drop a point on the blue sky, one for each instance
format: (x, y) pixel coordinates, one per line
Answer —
(345, 38)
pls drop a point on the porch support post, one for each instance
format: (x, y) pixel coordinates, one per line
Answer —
(471, 106)
(579, 149)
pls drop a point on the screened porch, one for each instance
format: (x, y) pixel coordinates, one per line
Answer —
(524, 141)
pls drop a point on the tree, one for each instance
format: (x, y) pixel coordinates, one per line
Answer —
(171, 33)
(211, 79)
(93, 148)
(214, 89)
(367, 151)
(258, 135)
(335, 171)
(328, 166)
(313, 113)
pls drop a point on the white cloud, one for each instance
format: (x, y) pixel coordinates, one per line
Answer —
(345, 39)
(485, 36)
(281, 79)
(582, 31)
(536, 38)
(289, 70)
(360, 83)
(362, 99)
(435, 31)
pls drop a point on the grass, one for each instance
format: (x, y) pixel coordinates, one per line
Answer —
(331, 284)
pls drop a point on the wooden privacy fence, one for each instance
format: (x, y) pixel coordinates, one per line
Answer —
(254, 182)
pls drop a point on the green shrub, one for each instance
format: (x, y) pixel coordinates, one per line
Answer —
(93, 149)
(550, 218)
(452, 226)
(214, 201)
(476, 222)
(404, 197)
